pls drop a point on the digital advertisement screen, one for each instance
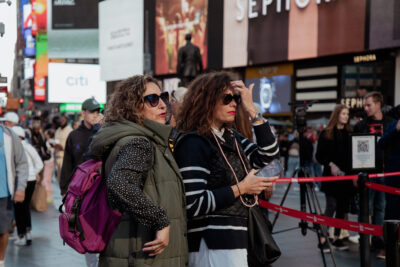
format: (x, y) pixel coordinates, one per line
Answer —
(72, 28)
(272, 93)
(74, 83)
(174, 19)
(75, 14)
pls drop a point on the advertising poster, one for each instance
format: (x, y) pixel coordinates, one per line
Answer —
(39, 16)
(39, 93)
(272, 87)
(74, 83)
(42, 60)
(29, 49)
(27, 16)
(41, 67)
(72, 28)
(120, 40)
(28, 68)
(175, 18)
(22, 4)
(75, 14)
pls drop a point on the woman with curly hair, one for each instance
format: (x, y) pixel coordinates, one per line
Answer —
(218, 166)
(143, 180)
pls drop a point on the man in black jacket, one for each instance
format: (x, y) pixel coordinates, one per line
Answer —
(75, 148)
(77, 142)
(375, 123)
(189, 61)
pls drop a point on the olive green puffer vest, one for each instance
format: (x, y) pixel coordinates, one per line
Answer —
(164, 187)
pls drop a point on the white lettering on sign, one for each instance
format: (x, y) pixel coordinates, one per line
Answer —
(240, 7)
(77, 81)
(303, 3)
(252, 13)
(265, 5)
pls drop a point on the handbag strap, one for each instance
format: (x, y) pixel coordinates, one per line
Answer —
(233, 171)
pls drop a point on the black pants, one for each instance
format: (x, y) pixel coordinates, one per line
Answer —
(340, 205)
(23, 210)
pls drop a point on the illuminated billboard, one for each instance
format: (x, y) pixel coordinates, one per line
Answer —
(175, 18)
(74, 83)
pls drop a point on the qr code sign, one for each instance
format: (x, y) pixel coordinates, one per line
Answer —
(362, 146)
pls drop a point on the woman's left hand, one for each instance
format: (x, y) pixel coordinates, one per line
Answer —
(246, 95)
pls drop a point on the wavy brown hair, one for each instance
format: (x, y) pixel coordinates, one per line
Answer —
(127, 100)
(197, 110)
(333, 121)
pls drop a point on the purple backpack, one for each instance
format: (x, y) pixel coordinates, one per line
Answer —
(88, 222)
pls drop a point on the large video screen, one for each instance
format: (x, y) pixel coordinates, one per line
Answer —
(175, 18)
(74, 83)
(73, 29)
(272, 93)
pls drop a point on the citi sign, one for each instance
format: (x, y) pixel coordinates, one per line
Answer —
(265, 5)
(77, 81)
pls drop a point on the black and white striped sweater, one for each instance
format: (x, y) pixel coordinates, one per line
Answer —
(213, 212)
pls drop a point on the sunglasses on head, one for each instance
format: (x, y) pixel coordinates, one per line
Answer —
(227, 99)
(154, 99)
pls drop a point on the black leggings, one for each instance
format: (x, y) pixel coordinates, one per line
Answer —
(340, 205)
(23, 210)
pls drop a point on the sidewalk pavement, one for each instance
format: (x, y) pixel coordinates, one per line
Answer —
(47, 249)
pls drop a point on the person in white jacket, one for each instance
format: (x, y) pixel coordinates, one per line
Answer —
(22, 210)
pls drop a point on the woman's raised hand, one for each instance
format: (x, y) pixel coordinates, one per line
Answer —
(246, 95)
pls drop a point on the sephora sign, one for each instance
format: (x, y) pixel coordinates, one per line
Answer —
(265, 5)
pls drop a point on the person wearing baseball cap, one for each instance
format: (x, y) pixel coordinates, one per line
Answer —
(75, 148)
(10, 119)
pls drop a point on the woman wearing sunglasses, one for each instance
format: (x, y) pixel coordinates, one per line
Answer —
(218, 166)
(143, 179)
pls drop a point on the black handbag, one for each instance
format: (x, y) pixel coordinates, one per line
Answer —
(263, 249)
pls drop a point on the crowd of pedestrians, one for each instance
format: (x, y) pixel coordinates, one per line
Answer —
(182, 168)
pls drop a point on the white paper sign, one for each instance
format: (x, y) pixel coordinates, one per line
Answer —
(363, 151)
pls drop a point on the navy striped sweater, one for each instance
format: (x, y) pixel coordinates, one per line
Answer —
(213, 212)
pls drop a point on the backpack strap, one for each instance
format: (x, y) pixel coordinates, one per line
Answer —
(73, 220)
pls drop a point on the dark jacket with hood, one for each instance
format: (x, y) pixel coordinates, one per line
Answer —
(163, 186)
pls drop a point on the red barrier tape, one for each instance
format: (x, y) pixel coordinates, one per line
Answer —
(363, 228)
(383, 188)
(316, 179)
(332, 178)
(386, 174)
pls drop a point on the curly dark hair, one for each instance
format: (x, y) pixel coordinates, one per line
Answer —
(197, 110)
(127, 99)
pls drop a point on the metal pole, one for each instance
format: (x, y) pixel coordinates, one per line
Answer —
(365, 253)
(391, 234)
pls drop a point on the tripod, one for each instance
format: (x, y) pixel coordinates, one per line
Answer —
(308, 196)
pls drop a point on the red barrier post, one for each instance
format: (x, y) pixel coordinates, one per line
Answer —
(365, 253)
(391, 234)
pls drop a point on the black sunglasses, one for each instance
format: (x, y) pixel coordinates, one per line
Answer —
(228, 99)
(154, 99)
